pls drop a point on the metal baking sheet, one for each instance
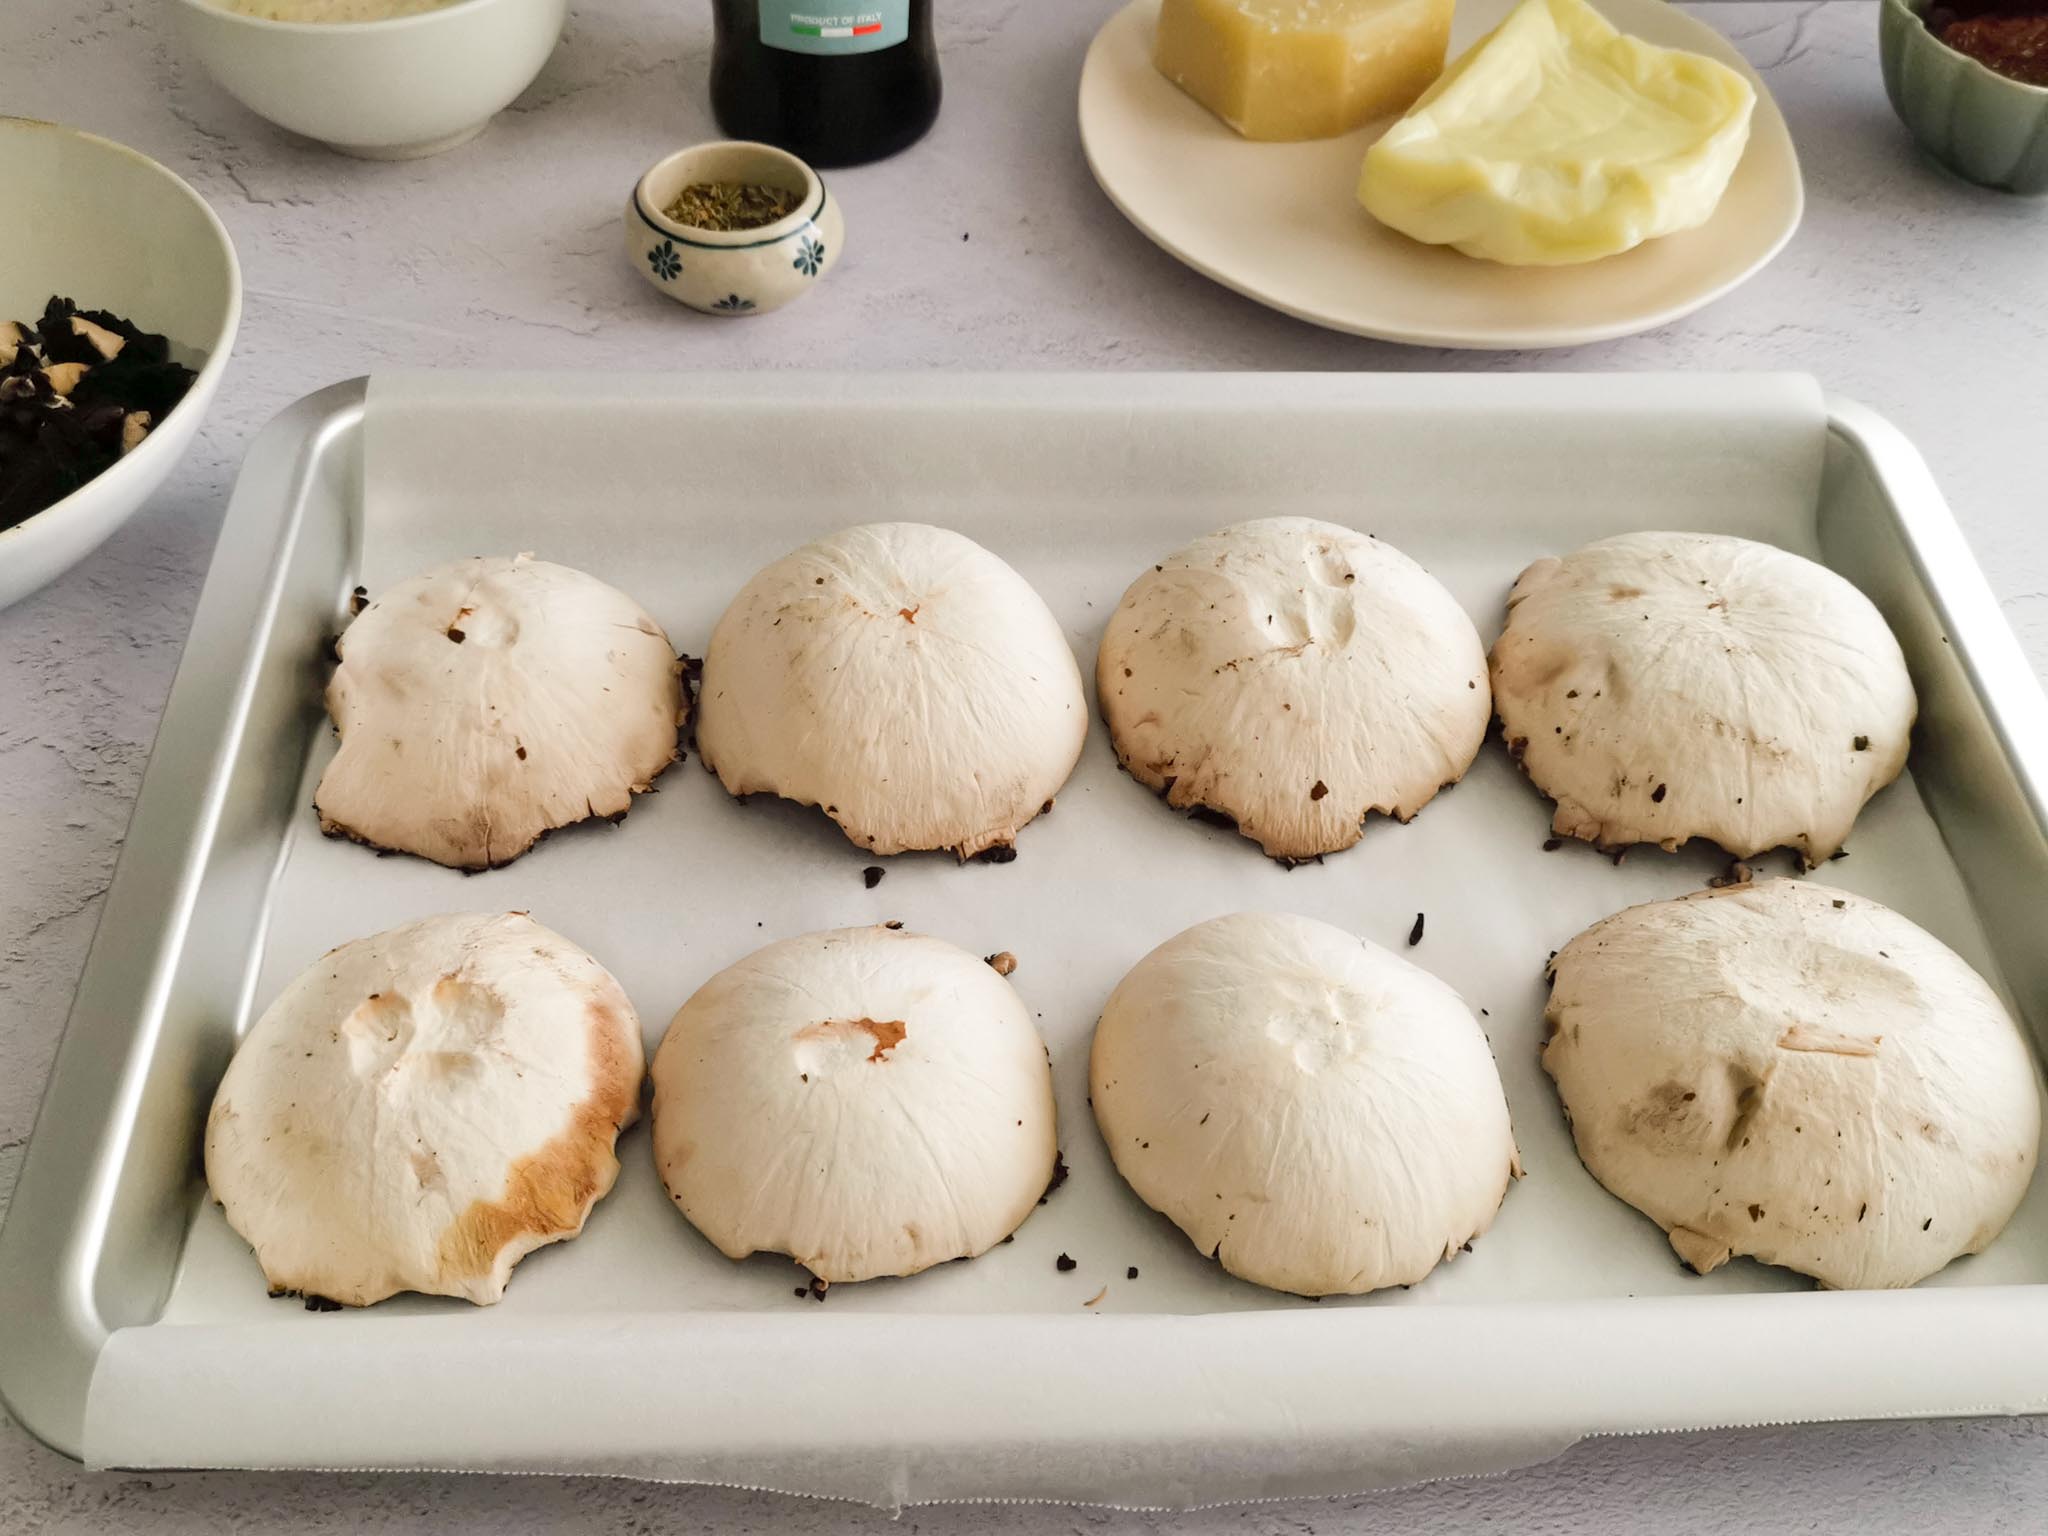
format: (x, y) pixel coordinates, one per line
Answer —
(136, 1331)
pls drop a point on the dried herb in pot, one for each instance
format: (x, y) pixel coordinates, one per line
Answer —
(730, 205)
(2009, 36)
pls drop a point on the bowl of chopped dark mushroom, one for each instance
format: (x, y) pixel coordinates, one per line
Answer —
(119, 300)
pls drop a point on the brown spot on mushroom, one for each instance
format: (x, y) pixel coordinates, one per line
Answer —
(908, 615)
(886, 1034)
(1756, 1213)
(548, 1193)
(1318, 790)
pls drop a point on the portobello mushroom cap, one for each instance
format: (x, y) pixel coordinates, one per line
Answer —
(1295, 677)
(422, 1108)
(1797, 1075)
(903, 678)
(1314, 1112)
(868, 1101)
(490, 701)
(1666, 686)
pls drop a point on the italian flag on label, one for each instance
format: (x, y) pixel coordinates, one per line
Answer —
(860, 29)
(804, 26)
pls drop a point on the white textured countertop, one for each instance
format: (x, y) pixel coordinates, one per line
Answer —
(985, 247)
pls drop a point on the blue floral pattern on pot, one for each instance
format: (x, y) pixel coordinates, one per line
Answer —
(810, 256)
(665, 262)
(733, 304)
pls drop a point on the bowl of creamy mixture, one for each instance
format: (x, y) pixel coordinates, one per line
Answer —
(382, 79)
(330, 12)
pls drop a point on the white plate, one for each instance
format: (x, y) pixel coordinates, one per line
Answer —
(1280, 223)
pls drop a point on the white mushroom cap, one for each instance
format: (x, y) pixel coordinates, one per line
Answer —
(421, 1109)
(1317, 1114)
(903, 678)
(1294, 676)
(490, 701)
(1664, 686)
(1795, 1074)
(868, 1101)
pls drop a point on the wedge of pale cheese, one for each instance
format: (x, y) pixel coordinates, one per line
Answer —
(1557, 139)
(1302, 69)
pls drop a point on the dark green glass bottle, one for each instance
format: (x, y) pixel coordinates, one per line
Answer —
(838, 84)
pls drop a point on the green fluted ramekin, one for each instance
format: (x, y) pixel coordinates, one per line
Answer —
(1981, 125)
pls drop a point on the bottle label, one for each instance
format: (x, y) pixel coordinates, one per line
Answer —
(803, 26)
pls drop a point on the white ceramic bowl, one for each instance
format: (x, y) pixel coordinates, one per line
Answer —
(742, 271)
(383, 90)
(110, 229)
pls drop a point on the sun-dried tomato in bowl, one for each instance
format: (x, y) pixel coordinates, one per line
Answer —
(2009, 36)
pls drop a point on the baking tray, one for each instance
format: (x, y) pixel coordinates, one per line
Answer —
(134, 1329)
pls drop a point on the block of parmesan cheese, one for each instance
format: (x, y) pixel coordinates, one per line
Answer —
(1558, 139)
(1302, 69)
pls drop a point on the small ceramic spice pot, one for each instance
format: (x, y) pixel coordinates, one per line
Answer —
(736, 271)
(1983, 126)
